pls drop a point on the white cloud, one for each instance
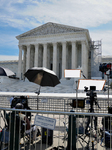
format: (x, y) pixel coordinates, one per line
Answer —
(22, 14)
(106, 38)
(71, 12)
(76, 13)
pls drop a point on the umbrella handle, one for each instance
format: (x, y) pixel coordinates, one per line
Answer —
(38, 92)
(37, 96)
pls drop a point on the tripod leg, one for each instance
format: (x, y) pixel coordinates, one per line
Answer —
(95, 123)
(88, 122)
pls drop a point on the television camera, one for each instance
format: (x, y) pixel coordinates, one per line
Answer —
(92, 99)
(105, 67)
(92, 95)
(91, 91)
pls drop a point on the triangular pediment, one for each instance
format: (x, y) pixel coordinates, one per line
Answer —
(50, 28)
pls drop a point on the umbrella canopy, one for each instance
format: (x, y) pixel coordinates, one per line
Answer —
(42, 76)
(6, 72)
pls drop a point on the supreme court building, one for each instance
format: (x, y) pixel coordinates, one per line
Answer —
(56, 47)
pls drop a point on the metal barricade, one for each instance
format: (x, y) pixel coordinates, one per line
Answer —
(63, 104)
(71, 131)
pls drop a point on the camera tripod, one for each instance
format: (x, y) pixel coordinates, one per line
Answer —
(90, 119)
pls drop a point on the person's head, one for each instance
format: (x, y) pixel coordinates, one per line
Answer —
(19, 106)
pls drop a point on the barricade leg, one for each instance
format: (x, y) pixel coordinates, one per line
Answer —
(72, 133)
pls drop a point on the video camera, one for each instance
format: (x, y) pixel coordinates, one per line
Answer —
(90, 92)
(105, 67)
(21, 99)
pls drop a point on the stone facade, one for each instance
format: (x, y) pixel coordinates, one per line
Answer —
(106, 59)
(56, 47)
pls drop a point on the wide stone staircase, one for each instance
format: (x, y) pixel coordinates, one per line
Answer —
(26, 86)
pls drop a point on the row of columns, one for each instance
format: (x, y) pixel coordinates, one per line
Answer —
(64, 53)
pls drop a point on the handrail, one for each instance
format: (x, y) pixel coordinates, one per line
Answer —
(58, 112)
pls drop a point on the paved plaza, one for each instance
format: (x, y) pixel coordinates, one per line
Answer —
(67, 86)
(26, 86)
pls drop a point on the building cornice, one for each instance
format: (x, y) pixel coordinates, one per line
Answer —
(51, 29)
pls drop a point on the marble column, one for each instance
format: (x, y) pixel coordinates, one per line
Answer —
(45, 55)
(87, 58)
(24, 61)
(28, 58)
(74, 55)
(63, 58)
(84, 58)
(55, 58)
(20, 63)
(36, 55)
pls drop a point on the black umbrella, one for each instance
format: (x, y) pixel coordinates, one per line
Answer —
(6, 72)
(42, 76)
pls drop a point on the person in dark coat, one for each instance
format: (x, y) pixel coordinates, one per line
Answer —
(17, 126)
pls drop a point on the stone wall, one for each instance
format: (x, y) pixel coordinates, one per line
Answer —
(106, 59)
(13, 65)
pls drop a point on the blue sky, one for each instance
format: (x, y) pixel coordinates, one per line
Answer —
(19, 16)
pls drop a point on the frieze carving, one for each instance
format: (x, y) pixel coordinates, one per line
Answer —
(51, 28)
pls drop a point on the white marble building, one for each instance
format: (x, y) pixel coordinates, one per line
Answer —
(56, 47)
(107, 59)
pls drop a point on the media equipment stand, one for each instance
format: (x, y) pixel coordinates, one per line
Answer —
(90, 86)
(93, 99)
(106, 68)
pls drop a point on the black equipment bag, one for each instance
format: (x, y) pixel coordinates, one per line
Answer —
(47, 136)
(80, 103)
(22, 99)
